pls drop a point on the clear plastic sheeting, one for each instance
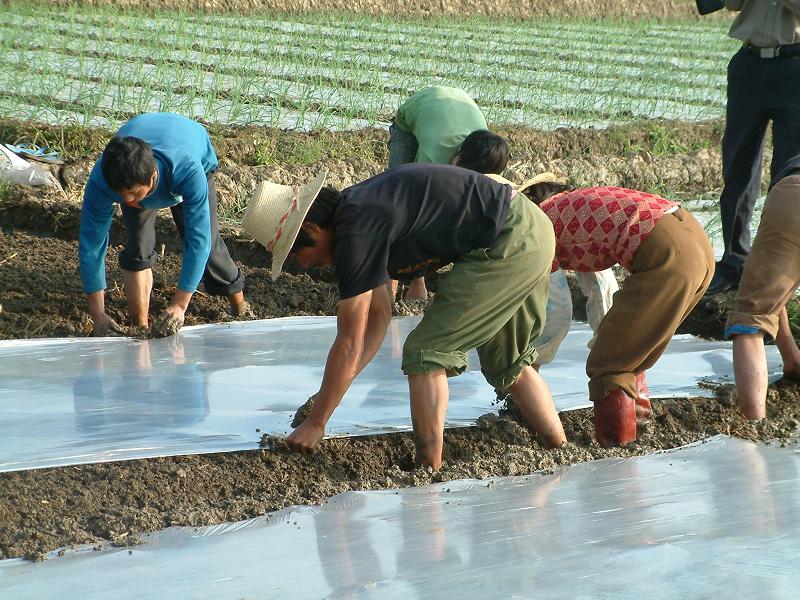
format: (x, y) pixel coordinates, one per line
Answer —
(715, 520)
(215, 388)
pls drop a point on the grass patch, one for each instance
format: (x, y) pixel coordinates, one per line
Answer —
(5, 189)
(69, 140)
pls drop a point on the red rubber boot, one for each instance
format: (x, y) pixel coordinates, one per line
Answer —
(643, 408)
(615, 419)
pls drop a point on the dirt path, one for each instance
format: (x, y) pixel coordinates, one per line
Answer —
(503, 9)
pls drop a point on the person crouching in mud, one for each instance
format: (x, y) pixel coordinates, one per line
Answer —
(770, 278)
(671, 263)
(443, 125)
(398, 224)
(156, 160)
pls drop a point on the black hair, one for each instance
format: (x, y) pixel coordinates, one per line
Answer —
(127, 161)
(539, 192)
(484, 152)
(321, 213)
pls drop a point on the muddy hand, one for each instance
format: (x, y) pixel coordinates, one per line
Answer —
(305, 438)
(302, 412)
(106, 326)
(166, 324)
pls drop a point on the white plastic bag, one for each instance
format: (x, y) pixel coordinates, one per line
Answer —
(18, 170)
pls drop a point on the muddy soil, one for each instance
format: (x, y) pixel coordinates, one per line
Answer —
(111, 503)
(40, 294)
(503, 9)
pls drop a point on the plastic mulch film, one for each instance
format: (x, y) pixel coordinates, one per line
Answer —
(719, 519)
(215, 388)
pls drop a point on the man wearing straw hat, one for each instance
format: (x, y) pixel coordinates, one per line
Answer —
(156, 160)
(396, 225)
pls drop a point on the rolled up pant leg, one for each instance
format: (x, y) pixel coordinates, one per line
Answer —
(138, 253)
(221, 276)
(772, 271)
(671, 271)
(493, 300)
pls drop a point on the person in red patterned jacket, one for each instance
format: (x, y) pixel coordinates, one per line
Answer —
(671, 263)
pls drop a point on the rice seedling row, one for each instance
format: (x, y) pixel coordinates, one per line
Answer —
(595, 52)
(243, 69)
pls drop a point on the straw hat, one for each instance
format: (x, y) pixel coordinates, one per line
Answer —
(275, 214)
(546, 177)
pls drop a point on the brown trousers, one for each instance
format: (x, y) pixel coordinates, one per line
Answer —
(772, 271)
(671, 271)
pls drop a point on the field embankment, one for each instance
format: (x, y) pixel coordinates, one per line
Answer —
(504, 9)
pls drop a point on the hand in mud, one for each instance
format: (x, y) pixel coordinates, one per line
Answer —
(106, 326)
(167, 323)
(302, 412)
(306, 437)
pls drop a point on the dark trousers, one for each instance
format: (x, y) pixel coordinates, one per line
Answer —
(402, 147)
(221, 276)
(759, 90)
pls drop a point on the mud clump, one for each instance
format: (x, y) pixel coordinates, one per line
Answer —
(300, 416)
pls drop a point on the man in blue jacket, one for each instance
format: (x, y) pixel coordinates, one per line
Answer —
(156, 160)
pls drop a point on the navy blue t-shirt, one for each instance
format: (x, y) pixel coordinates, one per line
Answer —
(411, 218)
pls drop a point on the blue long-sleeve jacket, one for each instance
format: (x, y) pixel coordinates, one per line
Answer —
(184, 157)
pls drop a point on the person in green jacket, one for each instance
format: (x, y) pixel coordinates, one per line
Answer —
(443, 125)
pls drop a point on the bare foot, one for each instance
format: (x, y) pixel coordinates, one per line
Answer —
(792, 372)
(243, 311)
(416, 291)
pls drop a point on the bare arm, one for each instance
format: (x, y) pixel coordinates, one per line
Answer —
(380, 313)
(343, 364)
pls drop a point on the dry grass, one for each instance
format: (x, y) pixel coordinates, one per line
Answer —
(507, 9)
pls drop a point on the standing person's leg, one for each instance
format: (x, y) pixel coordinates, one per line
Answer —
(483, 303)
(221, 276)
(137, 259)
(771, 275)
(417, 290)
(671, 271)
(742, 144)
(783, 99)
